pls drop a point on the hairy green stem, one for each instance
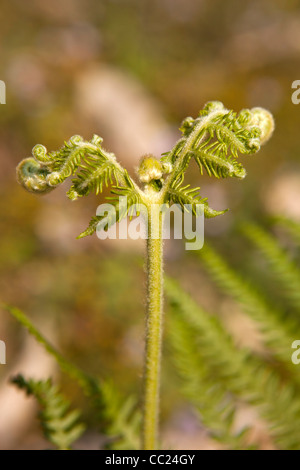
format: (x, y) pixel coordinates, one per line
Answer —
(153, 327)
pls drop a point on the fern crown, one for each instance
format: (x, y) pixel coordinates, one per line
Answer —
(214, 140)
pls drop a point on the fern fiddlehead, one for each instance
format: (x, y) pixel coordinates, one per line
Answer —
(214, 139)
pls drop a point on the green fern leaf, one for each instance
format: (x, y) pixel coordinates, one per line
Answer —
(189, 199)
(216, 165)
(92, 178)
(278, 331)
(122, 428)
(215, 406)
(282, 267)
(232, 369)
(96, 167)
(217, 136)
(124, 419)
(60, 425)
(291, 226)
(124, 202)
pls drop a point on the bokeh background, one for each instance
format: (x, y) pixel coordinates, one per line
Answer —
(130, 71)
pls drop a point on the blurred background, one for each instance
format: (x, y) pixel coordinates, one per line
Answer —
(129, 71)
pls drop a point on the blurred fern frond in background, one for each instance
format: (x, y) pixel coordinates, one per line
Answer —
(118, 418)
(60, 426)
(218, 374)
(282, 269)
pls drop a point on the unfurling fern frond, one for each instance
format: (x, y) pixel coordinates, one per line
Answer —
(214, 139)
(190, 200)
(92, 178)
(216, 165)
(96, 167)
(60, 425)
(125, 201)
(282, 267)
(33, 177)
(217, 136)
